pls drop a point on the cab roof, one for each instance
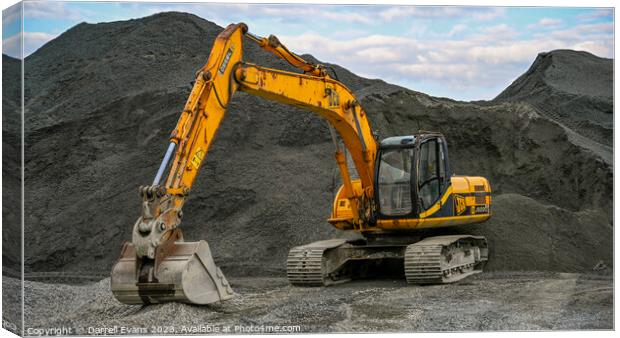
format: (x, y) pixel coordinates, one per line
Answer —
(398, 141)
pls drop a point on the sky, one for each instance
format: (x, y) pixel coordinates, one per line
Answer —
(464, 53)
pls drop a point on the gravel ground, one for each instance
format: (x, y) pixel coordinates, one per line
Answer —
(489, 301)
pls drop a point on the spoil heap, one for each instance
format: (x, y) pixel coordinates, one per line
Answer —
(574, 88)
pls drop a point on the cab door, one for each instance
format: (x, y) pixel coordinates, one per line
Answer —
(432, 179)
(394, 195)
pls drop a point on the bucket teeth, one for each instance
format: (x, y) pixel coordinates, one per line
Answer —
(187, 274)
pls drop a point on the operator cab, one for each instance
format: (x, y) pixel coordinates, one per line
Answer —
(411, 175)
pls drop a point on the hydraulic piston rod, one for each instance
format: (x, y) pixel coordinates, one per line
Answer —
(164, 163)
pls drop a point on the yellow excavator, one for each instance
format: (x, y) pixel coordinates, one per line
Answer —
(404, 184)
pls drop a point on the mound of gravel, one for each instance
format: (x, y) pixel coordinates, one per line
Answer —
(574, 88)
(11, 189)
(101, 100)
(11, 162)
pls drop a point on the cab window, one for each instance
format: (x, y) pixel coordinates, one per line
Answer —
(395, 181)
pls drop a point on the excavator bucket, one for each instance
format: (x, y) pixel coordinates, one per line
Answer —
(186, 273)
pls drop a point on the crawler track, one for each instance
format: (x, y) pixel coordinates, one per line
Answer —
(307, 265)
(423, 264)
(444, 259)
(304, 266)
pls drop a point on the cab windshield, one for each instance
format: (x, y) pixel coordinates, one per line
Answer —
(394, 181)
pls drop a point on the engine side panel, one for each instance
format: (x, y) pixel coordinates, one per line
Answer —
(467, 200)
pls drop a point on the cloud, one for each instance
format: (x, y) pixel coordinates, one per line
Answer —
(456, 49)
(51, 10)
(350, 17)
(223, 13)
(34, 40)
(548, 22)
(374, 14)
(515, 52)
(379, 54)
(484, 61)
(11, 14)
(545, 23)
(430, 12)
(597, 14)
(584, 31)
(12, 45)
(490, 14)
(398, 12)
(594, 47)
(497, 32)
(438, 71)
(456, 29)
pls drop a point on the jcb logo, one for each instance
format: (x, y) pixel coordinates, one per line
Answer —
(197, 159)
(459, 204)
(333, 97)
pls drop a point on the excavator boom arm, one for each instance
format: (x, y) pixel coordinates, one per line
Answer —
(225, 73)
(204, 109)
